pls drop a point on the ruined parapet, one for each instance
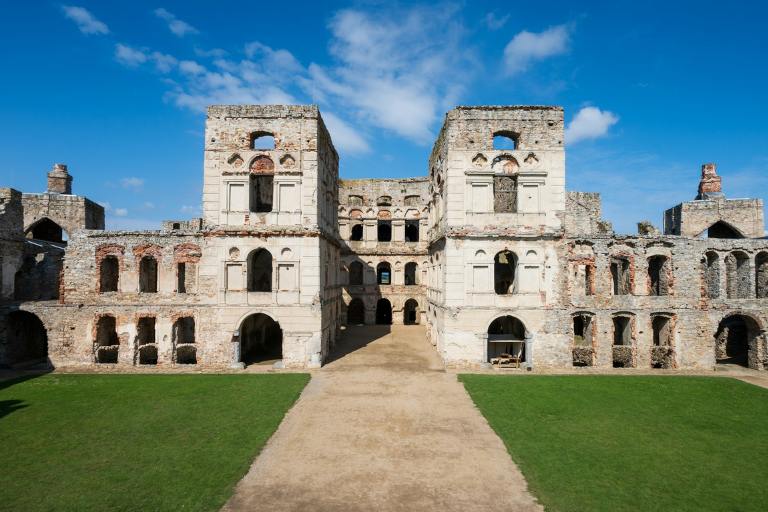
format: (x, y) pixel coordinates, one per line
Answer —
(59, 180)
(711, 215)
(182, 225)
(57, 213)
(646, 228)
(583, 211)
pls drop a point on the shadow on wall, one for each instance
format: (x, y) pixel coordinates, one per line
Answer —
(25, 344)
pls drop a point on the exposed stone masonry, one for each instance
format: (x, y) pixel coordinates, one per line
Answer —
(488, 250)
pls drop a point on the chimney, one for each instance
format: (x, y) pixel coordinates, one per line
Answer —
(59, 180)
(711, 185)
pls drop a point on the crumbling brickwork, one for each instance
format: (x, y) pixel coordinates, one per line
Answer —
(488, 250)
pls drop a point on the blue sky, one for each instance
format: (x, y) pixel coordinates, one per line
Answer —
(116, 90)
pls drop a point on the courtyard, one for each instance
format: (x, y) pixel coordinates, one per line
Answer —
(383, 426)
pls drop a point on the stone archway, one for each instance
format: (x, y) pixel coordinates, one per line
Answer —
(27, 339)
(356, 312)
(383, 312)
(507, 336)
(411, 312)
(261, 340)
(737, 341)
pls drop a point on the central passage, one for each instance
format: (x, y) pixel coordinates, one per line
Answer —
(383, 427)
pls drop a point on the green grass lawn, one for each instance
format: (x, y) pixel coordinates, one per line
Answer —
(632, 443)
(135, 442)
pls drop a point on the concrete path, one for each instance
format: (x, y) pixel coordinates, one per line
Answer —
(383, 428)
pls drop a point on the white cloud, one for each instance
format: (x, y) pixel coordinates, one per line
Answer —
(527, 47)
(164, 63)
(191, 67)
(494, 22)
(147, 205)
(121, 212)
(589, 123)
(178, 27)
(85, 21)
(345, 137)
(396, 71)
(215, 52)
(132, 182)
(128, 56)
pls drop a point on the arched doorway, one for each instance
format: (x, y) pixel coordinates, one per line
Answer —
(27, 339)
(261, 340)
(383, 312)
(411, 312)
(736, 341)
(356, 312)
(506, 337)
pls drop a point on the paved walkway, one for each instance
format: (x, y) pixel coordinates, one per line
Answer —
(383, 428)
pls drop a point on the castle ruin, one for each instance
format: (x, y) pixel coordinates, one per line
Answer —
(489, 251)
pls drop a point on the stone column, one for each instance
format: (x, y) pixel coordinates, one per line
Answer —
(235, 350)
(528, 351)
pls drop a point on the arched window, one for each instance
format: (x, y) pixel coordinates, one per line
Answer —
(355, 200)
(621, 275)
(107, 343)
(411, 273)
(505, 140)
(761, 275)
(662, 354)
(583, 339)
(623, 341)
(738, 275)
(711, 263)
(46, 229)
(412, 230)
(384, 201)
(356, 234)
(185, 351)
(384, 273)
(722, 229)
(148, 275)
(109, 274)
(263, 141)
(260, 271)
(146, 340)
(658, 275)
(355, 273)
(384, 230)
(261, 184)
(504, 271)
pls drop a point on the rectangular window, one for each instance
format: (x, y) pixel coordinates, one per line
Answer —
(529, 198)
(289, 200)
(181, 278)
(237, 198)
(286, 277)
(234, 277)
(480, 280)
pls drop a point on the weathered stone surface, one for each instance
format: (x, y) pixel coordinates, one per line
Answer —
(281, 236)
